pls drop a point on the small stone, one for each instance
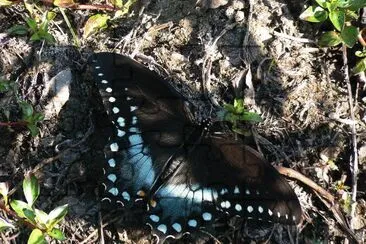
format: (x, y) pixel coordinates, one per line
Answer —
(230, 12)
(211, 4)
(59, 88)
(237, 4)
(239, 16)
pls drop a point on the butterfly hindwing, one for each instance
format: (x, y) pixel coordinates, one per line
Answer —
(214, 182)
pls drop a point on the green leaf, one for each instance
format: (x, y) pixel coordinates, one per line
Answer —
(95, 23)
(30, 215)
(31, 189)
(33, 129)
(41, 218)
(63, 3)
(5, 225)
(360, 66)
(32, 24)
(19, 207)
(124, 9)
(331, 5)
(5, 3)
(330, 39)
(56, 215)
(229, 108)
(43, 28)
(49, 38)
(223, 115)
(117, 3)
(50, 16)
(360, 54)
(357, 4)
(239, 106)
(4, 85)
(322, 3)
(57, 234)
(349, 36)
(351, 4)
(252, 117)
(343, 3)
(27, 110)
(314, 14)
(351, 15)
(35, 37)
(337, 17)
(37, 237)
(37, 117)
(20, 30)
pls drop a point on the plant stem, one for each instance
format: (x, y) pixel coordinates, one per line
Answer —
(74, 36)
(354, 162)
(14, 124)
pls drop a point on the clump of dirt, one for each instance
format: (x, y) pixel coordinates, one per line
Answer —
(258, 51)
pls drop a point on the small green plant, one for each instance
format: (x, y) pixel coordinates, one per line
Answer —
(30, 117)
(342, 190)
(99, 22)
(341, 13)
(42, 224)
(38, 31)
(236, 113)
(5, 86)
(95, 23)
(361, 65)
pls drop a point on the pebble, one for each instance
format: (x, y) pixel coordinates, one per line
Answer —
(230, 12)
(239, 16)
(237, 4)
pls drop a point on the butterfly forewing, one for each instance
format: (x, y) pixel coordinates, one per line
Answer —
(187, 177)
(149, 121)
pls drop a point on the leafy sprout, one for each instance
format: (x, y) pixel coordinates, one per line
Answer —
(42, 223)
(236, 113)
(340, 13)
(38, 31)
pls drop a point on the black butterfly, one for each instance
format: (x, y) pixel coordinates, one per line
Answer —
(187, 177)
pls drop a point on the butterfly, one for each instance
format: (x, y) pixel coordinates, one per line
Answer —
(186, 176)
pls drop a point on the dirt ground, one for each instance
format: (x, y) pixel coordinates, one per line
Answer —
(259, 50)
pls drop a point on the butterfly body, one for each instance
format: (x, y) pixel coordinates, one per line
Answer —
(187, 176)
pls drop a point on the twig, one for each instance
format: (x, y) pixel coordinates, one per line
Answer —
(323, 195)
(337, 213)
(292, 38)
(354, 162)
(101, 230)
(300, 177)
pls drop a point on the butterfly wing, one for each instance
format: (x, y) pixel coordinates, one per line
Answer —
(157, 154)
(221, 177)
(150, 125)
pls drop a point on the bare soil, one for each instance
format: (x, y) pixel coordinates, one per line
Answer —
(258, 50)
